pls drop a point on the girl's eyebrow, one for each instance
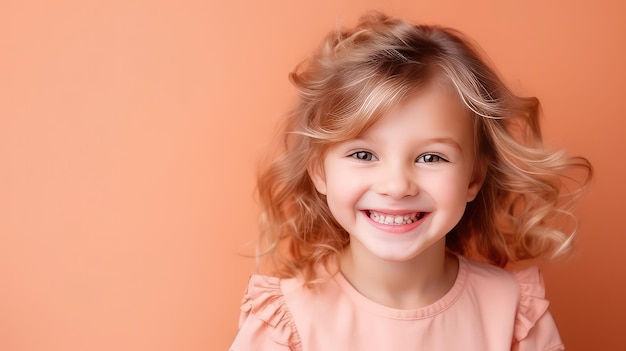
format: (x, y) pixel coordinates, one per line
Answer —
(439, 140)
(446, 141)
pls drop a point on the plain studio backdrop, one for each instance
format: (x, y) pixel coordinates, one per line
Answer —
(130, 132)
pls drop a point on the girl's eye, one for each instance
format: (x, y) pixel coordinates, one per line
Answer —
(363, 156)
(430, 158)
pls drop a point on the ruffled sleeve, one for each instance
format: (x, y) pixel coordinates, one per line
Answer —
(534, 326)
(265, 322)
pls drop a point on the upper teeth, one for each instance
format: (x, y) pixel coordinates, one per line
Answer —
(395, 219)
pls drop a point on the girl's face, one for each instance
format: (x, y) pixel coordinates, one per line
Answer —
(403, 184)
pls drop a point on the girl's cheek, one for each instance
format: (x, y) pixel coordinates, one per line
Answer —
(445, 185)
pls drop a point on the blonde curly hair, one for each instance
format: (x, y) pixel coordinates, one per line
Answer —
(354, 78)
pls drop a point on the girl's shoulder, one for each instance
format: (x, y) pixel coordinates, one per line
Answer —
(272, 308)
(525, 290)
(265, 318)
(533, 322)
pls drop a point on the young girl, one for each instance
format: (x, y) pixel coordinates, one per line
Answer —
(410, 174)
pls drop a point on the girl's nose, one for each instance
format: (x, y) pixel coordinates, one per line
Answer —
(397, 182)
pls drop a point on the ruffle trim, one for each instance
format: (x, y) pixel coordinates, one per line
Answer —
(264, 299)
(532, 305)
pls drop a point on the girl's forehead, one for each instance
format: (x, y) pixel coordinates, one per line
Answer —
(434, 105)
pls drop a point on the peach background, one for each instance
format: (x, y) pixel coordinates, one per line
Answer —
(130, 132)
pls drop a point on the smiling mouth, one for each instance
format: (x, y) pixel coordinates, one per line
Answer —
(389, 219)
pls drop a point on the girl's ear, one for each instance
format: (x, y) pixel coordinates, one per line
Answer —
(318, 177)
(476, 183)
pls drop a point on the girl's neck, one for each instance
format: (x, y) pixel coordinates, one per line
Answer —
(402, 285)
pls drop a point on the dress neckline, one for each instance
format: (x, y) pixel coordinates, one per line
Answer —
(419, 313)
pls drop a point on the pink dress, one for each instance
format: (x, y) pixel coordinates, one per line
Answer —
(487, 309)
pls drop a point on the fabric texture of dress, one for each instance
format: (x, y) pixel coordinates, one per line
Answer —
(487, 309)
